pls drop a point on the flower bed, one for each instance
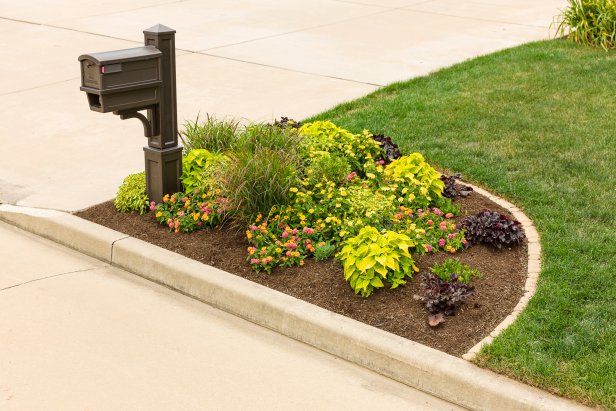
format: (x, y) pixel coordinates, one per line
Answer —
(385, 217)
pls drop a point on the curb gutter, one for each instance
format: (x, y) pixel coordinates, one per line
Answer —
(408, 362)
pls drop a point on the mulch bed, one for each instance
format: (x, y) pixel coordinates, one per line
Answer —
(323, 284)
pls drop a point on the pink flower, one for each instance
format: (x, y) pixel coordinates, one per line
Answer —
(428, 247)
(289, 254)
(295, 231)
(441, 243)
(450, 236)
(253, 228)
(268, 260)
(285, 234)
(291, 245)
(449, 215)
(185, 199)
(254, 261)
(430, 222)
(308, 230)
(171, 224)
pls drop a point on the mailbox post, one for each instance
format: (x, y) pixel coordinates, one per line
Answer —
(142, 78)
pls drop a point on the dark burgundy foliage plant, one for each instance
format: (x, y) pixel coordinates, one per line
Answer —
(493, 228)
(443, 297)
(287, 122)
(392, 151)
(451, 190)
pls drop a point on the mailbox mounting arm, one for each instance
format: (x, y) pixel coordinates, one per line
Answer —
(126, 114)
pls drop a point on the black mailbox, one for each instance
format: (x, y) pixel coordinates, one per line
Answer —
(128, 81)
(119, 80)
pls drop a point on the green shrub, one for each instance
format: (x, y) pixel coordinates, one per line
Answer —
(194, 169)
(591, 22)
(329, 167)
(213, 135)
(413, 182)
(463, 272)
(323, 251)
(371, 258)
(132, 195)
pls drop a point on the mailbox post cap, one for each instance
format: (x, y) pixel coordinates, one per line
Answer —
(159, 29)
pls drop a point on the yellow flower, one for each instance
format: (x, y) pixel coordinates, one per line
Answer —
(311, 210)
(159, 214)
(370, 175)
(196, 216)
(205, 217)
(293, 190)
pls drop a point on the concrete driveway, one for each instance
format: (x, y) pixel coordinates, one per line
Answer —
(241, 58)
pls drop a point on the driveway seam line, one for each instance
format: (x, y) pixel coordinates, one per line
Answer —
(290, 70)
(53, 276)
(410, 8)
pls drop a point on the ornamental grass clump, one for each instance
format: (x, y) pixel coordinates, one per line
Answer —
(591, 22)
(255, 181)
(213, 135)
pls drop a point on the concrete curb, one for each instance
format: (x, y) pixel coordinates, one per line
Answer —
(413, 364)
(534, 268)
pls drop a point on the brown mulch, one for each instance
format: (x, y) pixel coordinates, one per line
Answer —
(323, 284)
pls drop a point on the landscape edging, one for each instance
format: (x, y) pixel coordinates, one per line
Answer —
(411, 363)
(533, 270)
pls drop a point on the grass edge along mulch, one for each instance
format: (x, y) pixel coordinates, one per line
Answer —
(535, 124)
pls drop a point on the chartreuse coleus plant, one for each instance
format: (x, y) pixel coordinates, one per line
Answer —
(359, 150)
(194, 169)
(132, 195)
(372, 259)
(412, 182)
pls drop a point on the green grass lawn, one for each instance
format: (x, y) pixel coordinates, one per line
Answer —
(537, 125)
